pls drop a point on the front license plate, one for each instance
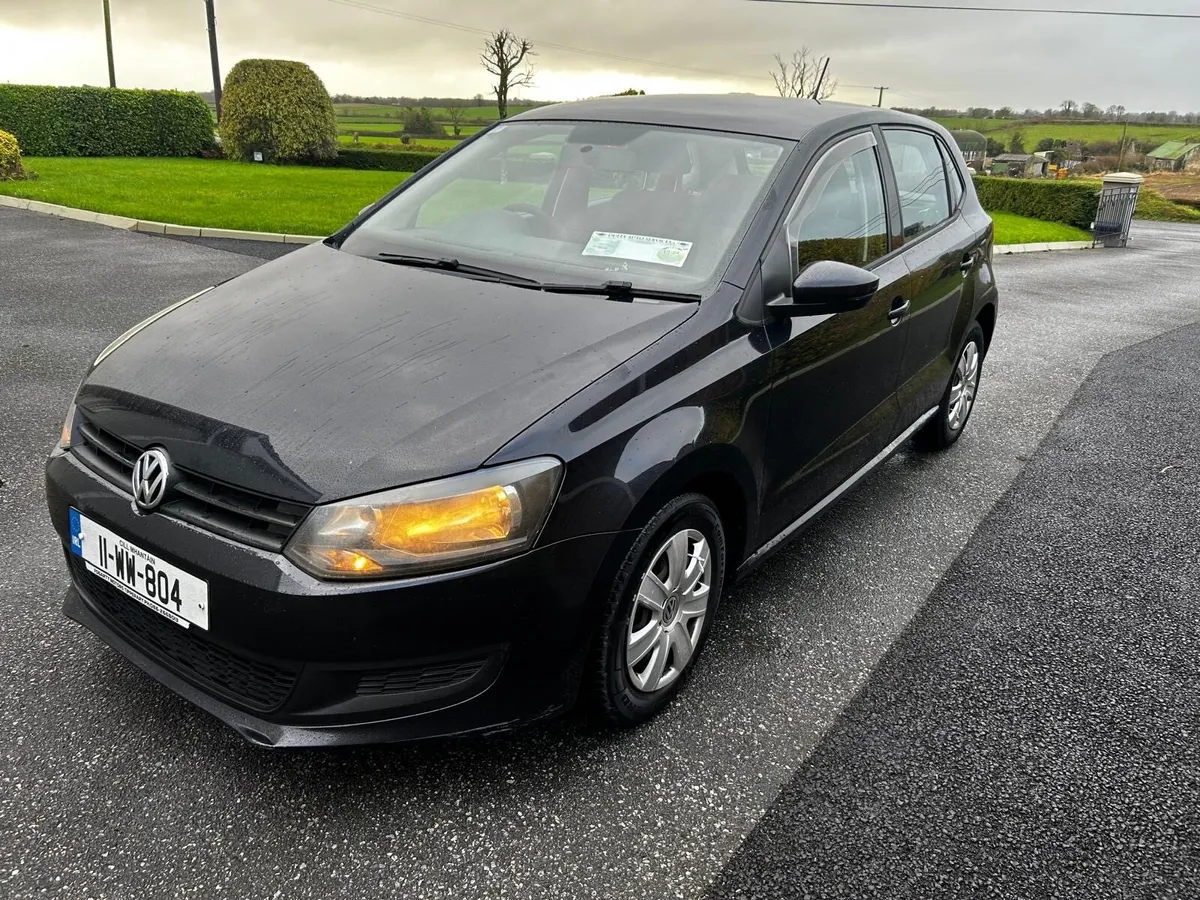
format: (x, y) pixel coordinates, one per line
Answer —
(154, 583)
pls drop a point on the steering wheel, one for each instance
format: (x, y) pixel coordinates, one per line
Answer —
(546, 225)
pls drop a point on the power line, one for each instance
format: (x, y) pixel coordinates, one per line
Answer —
(441, 23)
(861, 4)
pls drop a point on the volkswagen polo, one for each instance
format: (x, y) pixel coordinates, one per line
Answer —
(501, 443)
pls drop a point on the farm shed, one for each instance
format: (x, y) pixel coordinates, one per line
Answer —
(1173, 156)
(1020, 165)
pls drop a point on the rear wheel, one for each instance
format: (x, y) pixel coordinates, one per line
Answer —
(948, 423)
(659, 611)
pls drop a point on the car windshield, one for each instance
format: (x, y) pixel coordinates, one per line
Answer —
(582, 202)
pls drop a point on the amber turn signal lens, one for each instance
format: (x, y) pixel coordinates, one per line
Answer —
(349, 562)
(64, 439)
(434, 526)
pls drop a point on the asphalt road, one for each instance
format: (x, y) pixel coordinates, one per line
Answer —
(1036, 730)
(111, 787)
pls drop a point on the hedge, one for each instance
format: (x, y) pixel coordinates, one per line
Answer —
(279, 108)
(1072, 203)
(381, 160)
(87, 121)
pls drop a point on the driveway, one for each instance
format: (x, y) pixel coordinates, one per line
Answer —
(112, 787)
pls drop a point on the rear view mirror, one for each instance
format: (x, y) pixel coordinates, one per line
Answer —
(827, 287)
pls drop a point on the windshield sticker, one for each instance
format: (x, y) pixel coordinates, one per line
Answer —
(640, 247)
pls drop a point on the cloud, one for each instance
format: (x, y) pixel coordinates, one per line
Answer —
(371, 47)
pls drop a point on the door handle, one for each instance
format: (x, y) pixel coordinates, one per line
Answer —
(898, 311)
(968, 263)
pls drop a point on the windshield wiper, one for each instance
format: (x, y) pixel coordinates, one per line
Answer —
(614, 290)
(617, 290)
(449, 264)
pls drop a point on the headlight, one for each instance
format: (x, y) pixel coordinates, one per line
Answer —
(140, 325)
(68, 429)
(437, 525)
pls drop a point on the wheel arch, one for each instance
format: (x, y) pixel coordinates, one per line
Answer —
(721, 474)
(987, 321)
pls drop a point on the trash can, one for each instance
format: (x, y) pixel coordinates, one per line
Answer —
(1118, 200)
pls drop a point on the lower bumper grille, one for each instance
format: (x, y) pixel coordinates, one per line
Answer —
(259, 686)
(418, 678)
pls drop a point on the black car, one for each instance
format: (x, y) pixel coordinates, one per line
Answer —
(499, 444)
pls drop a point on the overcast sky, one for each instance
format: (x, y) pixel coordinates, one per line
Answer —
(927, 58)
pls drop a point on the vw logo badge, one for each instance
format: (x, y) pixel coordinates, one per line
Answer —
(150, 474)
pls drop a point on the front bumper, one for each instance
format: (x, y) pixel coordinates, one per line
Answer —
(290, 660)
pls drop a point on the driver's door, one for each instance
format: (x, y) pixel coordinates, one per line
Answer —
(833, 378)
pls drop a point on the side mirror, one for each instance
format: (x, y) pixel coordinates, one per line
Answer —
(826, 287)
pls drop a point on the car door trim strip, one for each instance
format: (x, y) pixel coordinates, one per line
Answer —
(841, 489)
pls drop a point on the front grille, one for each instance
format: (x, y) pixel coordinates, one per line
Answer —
(256, 685)
(233, 512)
(418, 678)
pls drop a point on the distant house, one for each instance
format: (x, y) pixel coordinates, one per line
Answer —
(1173, 156)
(1020, 165)
(972, 145)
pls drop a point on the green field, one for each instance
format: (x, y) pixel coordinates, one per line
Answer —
(1147, 136)
(357, 111)
(1012, 229)
(394, 143)
(213, 193)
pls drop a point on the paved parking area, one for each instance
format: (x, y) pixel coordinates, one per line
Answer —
(111, 787)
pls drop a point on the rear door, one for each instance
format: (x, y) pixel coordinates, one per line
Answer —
(833, 378)
(942, 251)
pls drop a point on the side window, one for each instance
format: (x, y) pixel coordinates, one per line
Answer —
(920, 179)
(841, 215)
(954, 176)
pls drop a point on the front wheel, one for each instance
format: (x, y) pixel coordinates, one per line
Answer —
(948, 423)
(659, 611)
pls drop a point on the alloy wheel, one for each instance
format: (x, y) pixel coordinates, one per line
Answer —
(668, 613)
(964, 386)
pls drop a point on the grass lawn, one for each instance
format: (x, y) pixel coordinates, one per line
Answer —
(1012, 229)
(213, 193)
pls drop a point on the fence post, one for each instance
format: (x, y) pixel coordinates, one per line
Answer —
(1118, 200)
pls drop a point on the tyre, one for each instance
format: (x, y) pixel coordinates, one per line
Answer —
(948, 424)
(659, 611)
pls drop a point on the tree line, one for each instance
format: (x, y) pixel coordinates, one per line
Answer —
(1068, 109)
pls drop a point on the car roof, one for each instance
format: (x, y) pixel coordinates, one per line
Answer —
(779, 117)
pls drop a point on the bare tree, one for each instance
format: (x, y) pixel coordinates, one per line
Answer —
(1069, 107)
(510, 59)
(455, 114)
(798, 76)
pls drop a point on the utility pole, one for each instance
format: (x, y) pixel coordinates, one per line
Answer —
(1124, 132)
(212, 49)
(112, 72)
(881, 90)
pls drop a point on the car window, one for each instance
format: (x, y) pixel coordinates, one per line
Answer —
(841, 215)
(583, 201)
(955, 177)
(511, 176)
(920, 179)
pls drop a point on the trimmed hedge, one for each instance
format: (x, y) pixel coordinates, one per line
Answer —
(1072, 203)
(87, 121)
(381, 160)
(278, 108)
